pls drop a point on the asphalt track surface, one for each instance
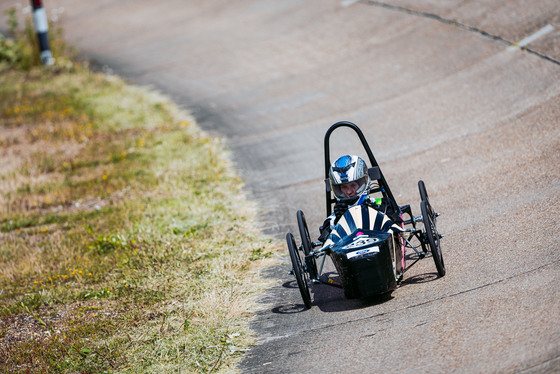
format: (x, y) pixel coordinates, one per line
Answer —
(442, 94)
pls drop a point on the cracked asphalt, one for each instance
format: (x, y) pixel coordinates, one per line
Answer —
(443, 93)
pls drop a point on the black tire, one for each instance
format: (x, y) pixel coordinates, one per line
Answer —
(432, 236)
(423, 197)
(310, 261)
(423, 192)
(299, 273)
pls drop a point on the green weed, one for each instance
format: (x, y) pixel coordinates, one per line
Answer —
(127, 244)
(20, 51)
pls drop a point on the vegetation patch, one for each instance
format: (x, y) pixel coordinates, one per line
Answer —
(127, 243)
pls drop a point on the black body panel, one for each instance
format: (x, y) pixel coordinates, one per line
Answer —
(364, 261)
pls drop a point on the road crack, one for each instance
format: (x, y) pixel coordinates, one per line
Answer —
(324, 327)
(460, 25)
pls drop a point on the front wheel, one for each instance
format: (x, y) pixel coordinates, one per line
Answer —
(297, 267)
(432, 235)
(423, 197)
(310, 262)
(422, 191)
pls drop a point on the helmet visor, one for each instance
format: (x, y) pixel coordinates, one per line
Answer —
(351, 190)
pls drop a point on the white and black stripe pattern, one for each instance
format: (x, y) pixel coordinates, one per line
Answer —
(361, 217)
(42, 28)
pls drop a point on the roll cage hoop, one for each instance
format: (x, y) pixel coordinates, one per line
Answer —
(374, 171)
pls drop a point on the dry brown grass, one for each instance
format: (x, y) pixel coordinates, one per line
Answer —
(127, 242)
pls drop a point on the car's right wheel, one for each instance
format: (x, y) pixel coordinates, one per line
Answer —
(310, 261)
(297, 268)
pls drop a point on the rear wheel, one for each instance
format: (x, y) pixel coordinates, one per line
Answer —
(310, 261)
(297, 267)
(432, 235)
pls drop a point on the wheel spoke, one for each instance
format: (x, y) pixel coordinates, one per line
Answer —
(302, 278)
(310, 261)
(432, 236)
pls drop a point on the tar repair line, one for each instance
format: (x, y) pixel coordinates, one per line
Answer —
(456, 23)
(415, 305)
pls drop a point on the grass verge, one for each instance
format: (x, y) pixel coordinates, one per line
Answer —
(126, 244)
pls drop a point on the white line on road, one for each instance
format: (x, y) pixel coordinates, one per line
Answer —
(531, 38)
(346, 3)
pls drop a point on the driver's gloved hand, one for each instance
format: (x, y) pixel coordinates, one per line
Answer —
(339, 209)
(325, 230)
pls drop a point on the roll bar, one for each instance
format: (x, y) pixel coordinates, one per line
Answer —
(374, 171)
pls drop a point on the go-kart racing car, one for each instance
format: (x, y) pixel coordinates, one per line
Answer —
(367, 246)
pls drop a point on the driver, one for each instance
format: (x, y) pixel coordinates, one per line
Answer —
(349, 180)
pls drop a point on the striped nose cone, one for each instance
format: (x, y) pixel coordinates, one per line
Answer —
(362, 217)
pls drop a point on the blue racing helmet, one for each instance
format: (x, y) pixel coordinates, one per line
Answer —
(349, 179)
